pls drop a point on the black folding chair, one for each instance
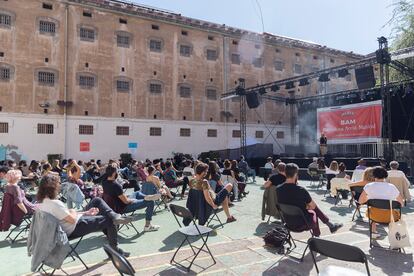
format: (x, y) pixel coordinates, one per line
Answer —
(119, 261)
(383, 205)
(314, 175)
(193, 230)
(110, 201)
(197, 195)
(289, 213)
(337, 251)
(356, 191)
(23, 227)
(329, 177)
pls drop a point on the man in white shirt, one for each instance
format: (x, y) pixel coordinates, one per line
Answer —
(399, 179)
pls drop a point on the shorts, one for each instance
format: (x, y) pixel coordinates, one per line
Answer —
(221, 196)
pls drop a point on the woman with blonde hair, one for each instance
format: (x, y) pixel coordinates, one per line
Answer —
(13, 177)
(367, 177)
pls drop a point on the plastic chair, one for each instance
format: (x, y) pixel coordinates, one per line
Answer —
(337, 251)
(123, 266)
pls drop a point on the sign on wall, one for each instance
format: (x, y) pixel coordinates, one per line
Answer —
(84, 147)
(354, 123)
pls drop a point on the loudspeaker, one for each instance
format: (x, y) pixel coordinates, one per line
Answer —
(365, 77)
(252, 100)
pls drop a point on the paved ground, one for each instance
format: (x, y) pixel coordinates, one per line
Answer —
(238, 247)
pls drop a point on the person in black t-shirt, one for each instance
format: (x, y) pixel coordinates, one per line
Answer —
(292, 194)
(277, 178)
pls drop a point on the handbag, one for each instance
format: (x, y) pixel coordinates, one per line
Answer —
(398, 233)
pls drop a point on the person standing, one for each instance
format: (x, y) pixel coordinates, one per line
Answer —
(323, 145)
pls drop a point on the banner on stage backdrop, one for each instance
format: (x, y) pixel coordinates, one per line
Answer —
(353, 123)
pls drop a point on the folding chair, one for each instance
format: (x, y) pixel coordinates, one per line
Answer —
(314, 175)
(356, 191)
(290, 213)
(197, 196)
(329, 177)
(109, 200)
(383, 205)
(120, 262)
(337, 251)
(192, 230)
(23, 227)
(341, 187)
(149, 188)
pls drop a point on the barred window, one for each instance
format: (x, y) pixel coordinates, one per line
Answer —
(185, 91)
(46, 78)
(122, 130)
(5, 74)
(279, 65)
(280, 134)
(185, 50)
(211, 54)
(211, 94)
(259, 134)
(122, 86)
(258, 62)
(185, 132)
(87, 81)
(87, 34)
(211, 132)
(155, 45)
(44, 129)
(297, 69)
(5, 20)
(4, 127)
(85, 129)
(236, 133)
(47, 27)
(235, 58)
(155, 131)
(122, 41)
(155, 88)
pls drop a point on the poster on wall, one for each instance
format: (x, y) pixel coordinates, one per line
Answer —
(84, 147)
(353, 123)
(133, 147)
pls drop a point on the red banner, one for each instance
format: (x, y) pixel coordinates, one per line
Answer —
(84, 147)
(357, 121)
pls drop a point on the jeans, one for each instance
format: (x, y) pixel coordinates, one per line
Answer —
(132, 184)
(139, 204)
(101, 222)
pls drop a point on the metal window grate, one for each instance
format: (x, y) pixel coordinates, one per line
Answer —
(155, 131)
(280, 134)
(155, 88)
(87, 34)
(122, 41)
(279, 65)
(4, 127)
(211, 94)
(185, 132)
(5, 20)
(236, 133)
(211, 132)
(47, 27)
(46, 78)
(211, 54)
(258, 62)
(297, 69)
(5, 74)
(185, 92)
(122, 86)
(122, 130)
(155, 45)
(85, 129)
(44, 128)
(185, 50)
(259, 134)
(87, 81)
(235, 58)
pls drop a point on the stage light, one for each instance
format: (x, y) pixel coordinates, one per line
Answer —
(290, 85)
(274, 87)
(343, 73)
(262, 91)
(303, 82)
(324, 77)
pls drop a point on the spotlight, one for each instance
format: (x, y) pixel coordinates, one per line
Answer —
(343, 73)
(303, 82)
(274, 87)
(290, 85)
(262, 91)
(324, 77)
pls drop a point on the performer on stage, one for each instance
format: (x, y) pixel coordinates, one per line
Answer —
(323, 144)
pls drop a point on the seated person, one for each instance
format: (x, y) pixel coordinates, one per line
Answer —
(213, 176)
(399, 179)
(188, 170)
(380, 189)
(342, 173)
(367, 177)
(56, 166)
(244, 168)
(269, 166)
(291, 193)
(277, 179)
(3, 172)
(213, 199)
(97, 217)
(314, 164)
(125, 204)
(241, 184)
(141, 173)
(362, 165)
(73, 170)
(162, 189)
(333, 168)
(13, 177)
(171, 179)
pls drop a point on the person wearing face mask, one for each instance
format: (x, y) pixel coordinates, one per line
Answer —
(292, 194)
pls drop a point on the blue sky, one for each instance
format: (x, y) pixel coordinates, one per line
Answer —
(351, 25)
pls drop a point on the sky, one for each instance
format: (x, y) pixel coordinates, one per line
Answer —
(350, 25)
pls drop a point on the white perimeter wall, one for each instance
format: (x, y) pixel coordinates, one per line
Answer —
(105, 144)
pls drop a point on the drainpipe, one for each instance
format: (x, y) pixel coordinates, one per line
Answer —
(225, 87)
(65, 85)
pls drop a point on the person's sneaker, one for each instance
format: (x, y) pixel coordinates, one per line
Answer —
(151, 228)
(335, 227)
(122, 252)
(231, 219)
(118, 219)
(152, 197)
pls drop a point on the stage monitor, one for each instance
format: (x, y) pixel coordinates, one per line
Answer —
(353, 123)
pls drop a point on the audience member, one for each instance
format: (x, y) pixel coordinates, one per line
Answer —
(399, 179)
(163, 190)
(171, 179)
(333, 168)
(314, 164)
(277, 179)
(361, 165)
(3, 172)
(342, 173)
(13, 177)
